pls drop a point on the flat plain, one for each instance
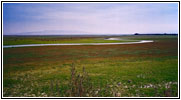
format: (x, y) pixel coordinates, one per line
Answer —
(126, 70)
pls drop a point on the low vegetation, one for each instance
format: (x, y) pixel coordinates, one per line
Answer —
(14, 40)
(134, 70)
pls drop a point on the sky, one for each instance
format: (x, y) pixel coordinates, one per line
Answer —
(93, 18)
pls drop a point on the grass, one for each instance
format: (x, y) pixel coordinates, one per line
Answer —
(143, 70)
(14, 40)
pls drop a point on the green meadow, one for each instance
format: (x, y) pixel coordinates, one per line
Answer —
(15, 40)
(125, 70)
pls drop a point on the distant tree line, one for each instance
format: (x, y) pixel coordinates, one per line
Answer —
(156, 34)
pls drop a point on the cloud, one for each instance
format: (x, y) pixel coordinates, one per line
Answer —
(112, 18)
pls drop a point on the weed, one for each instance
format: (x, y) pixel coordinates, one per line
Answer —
(142, 70)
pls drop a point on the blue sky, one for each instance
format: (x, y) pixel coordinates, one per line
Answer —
(98, 18)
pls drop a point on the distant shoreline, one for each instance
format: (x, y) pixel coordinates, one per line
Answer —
(100, 35)
(156, 34)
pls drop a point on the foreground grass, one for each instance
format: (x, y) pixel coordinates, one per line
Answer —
(145, 70)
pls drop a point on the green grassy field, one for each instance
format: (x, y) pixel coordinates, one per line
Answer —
(15, 40)
(129, 70)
